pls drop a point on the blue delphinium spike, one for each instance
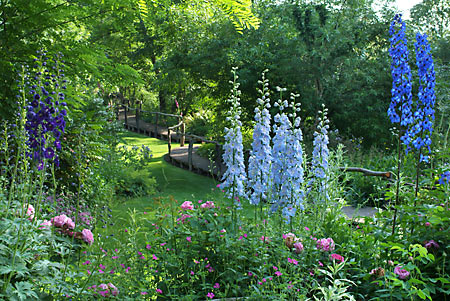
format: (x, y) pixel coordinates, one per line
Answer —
(46, 113)
(320, 156)
(260, 160)
(401, 102)
(419, 133)
(233, 155)
(287, 166)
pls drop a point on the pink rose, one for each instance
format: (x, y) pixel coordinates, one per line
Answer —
(87, 236)
(187, 206)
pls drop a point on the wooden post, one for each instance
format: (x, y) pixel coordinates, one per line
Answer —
(168, 132)
(183, 132)
(190, 149)
(137, 119)
(169, 141)
(126, 119)
(167, 126)
(156, 126)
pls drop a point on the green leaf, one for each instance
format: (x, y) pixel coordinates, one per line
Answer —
(421, 294)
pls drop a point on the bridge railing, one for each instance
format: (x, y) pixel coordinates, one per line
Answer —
(153, 124)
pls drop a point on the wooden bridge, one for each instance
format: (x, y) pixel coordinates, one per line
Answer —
(171, 127)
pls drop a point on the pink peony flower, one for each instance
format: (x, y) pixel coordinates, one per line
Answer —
(208, 204)
(325, 244)
(187, 206)
(88, 237)
(298, 247)
(402, 273)
(60, 220)
(70, 224)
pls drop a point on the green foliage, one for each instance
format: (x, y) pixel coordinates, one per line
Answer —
(134, 183)
(240, 11)
(200, 123)
(206, 150)
(125, 170)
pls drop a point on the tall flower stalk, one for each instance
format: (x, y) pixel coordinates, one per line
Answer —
(320, 157)
(287, 166)
(419, 134)
(233, 155)
(260, 161)
(401, 102)
(46, 108)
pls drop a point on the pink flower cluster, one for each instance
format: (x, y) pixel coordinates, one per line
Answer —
(431, 244)
(187, 206)
(62, 221)
(402, 273)
(105, 290)
(208, 204)
(65, 225)
(87, 236)
(291, 241)
(298, 247)
(30, 212)
(337, 257)
(183, 218)
(325, 244)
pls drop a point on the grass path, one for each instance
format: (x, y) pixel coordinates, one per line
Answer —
(171, 181)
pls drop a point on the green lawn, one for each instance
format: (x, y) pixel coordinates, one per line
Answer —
(172, 182)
